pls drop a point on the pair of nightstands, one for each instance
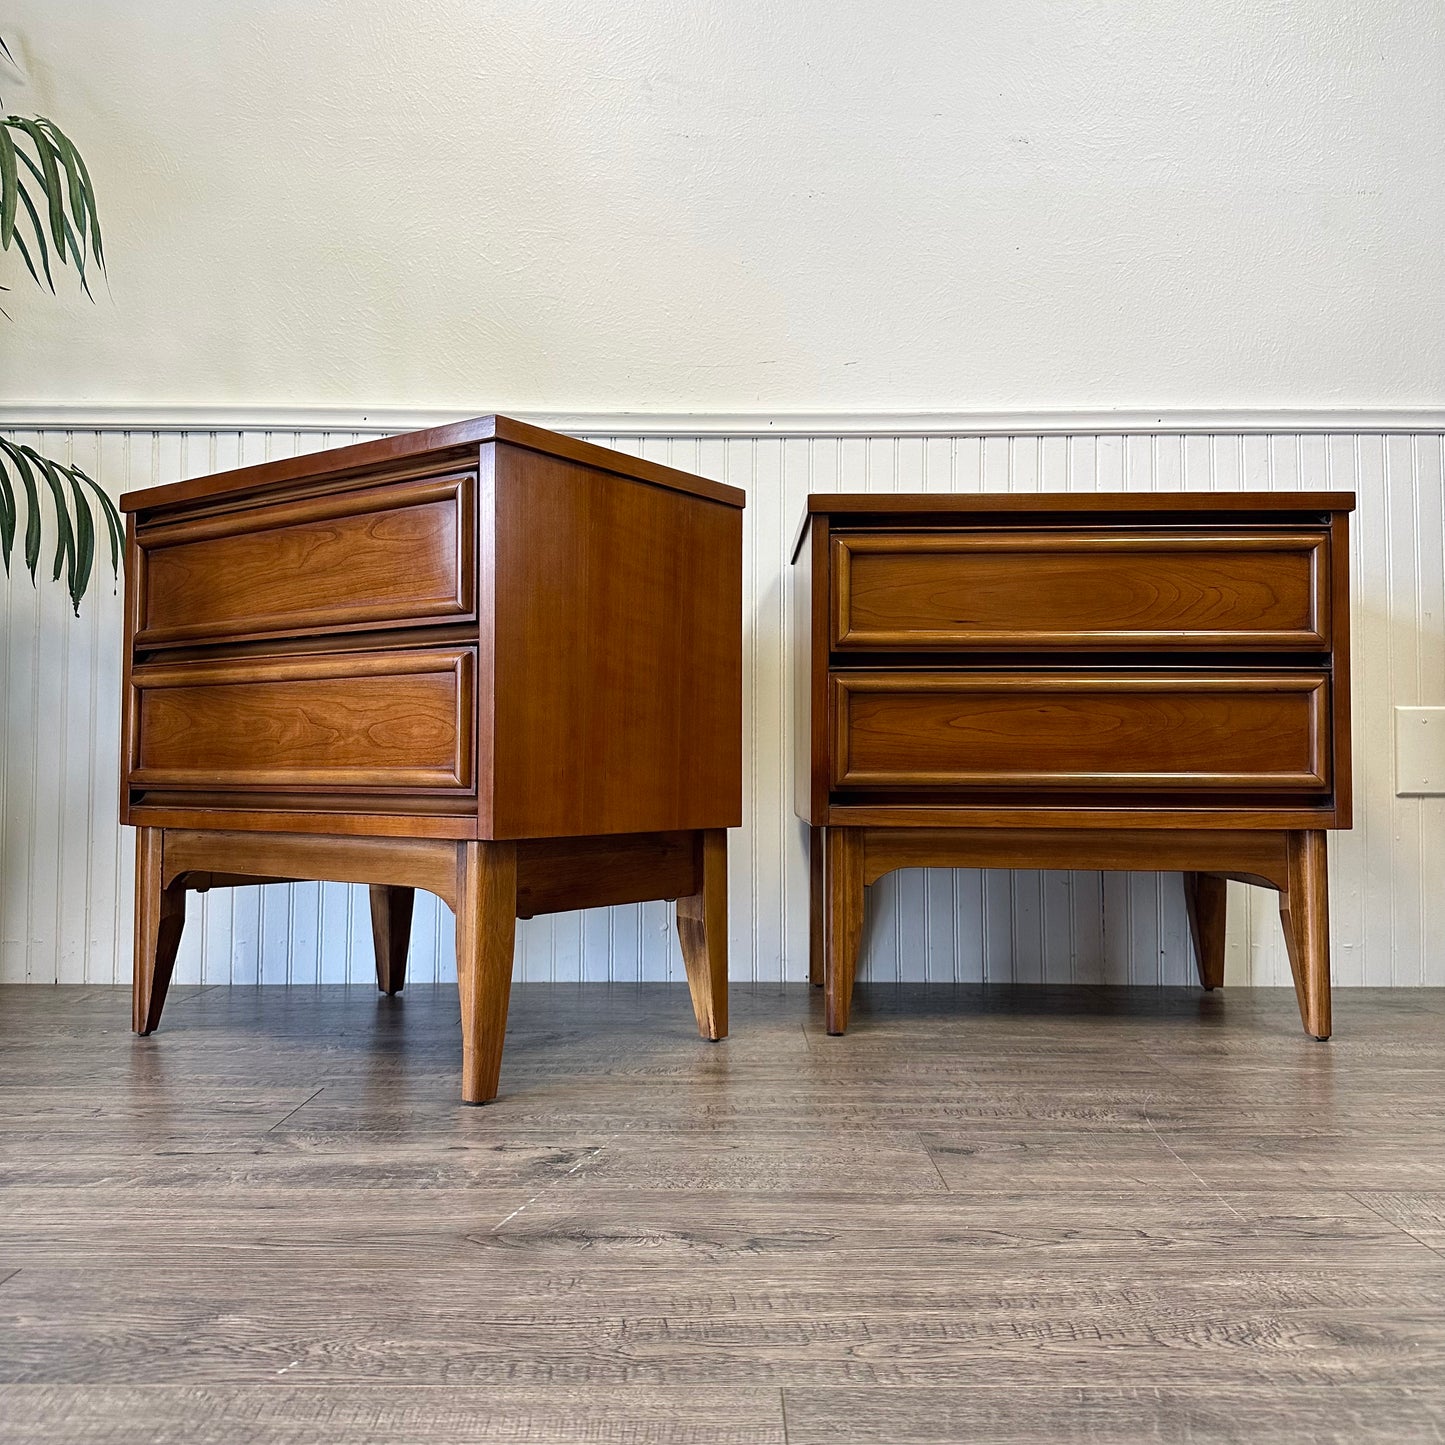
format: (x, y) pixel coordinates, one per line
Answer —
(505, 666)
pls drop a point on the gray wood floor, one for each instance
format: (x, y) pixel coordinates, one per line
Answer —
(1024, 1215)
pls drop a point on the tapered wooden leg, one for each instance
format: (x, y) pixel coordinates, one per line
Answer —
(160, 915)
(816, 907)
(1205, 895)
(843, 886)
(1304, 910)
(391, 910)
(702, 928)
(486, 936)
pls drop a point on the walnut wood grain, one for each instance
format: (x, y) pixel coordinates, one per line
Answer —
(1107, 589)
(486, 933)
(1260, 855)
(160, 915)
(861, 509)
(810, 684)
(485, 660)
(843, 922)
(398, 720)
(1304, 911)
(409, 862)
(1082, 729)
(702, 929)
(382, 556)
(434, 449)
(616, 649)
(1205, 897)
(391, 913)
(555, 875)
(1137, 681)
(816, 874)
(1340, 734)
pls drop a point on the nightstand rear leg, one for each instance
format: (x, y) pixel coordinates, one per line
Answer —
(816, 907)
(160, 915)
(702, 929)
(843, 886)
(486, 936)
(391, 910)
(1304, 911)
(1205, 895)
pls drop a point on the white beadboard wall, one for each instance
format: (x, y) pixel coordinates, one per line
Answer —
(66, 867)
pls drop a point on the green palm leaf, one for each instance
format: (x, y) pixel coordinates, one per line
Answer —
(61, 180)
(76, 497)
(7, 517)
(64, 532)
(17, 458)
(42, 171)
(9, 186)
(84, 543)
(54, 195)
(39, 237)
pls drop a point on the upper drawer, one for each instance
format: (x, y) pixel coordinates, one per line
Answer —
(1109, 589)
(1161, 731)
(342, 721)
(393, 554)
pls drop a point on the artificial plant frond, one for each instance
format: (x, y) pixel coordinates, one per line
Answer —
(47, 201)
(80, 511)
(47, 205)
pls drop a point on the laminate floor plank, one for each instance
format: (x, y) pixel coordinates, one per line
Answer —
(116, 1227)
(985, 1214)
(611, 1325)
(388, 1415)
(1342, 1415)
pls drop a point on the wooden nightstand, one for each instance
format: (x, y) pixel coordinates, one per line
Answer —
(1076, 681)
(485, 660)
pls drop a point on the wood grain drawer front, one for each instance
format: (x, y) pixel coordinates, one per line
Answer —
(378, 556)
(1106, 589)
(1209, 731)
(376, 720)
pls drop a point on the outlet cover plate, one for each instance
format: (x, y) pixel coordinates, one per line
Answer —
(1420, 752)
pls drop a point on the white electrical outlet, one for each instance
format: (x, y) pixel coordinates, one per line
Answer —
(1420, 752)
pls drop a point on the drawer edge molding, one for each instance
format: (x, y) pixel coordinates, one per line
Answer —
(454, 603)
(1314, 686)
(846, 636)
(455, 775)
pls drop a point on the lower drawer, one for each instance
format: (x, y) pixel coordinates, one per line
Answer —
(349, 721)
(1124, 731)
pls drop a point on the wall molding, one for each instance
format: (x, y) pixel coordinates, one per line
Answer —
(190, 417)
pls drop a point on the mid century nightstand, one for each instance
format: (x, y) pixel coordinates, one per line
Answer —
(1141, 681)
(484, 660)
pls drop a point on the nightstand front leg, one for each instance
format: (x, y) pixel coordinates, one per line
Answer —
(1205, 894)
(486, 937)
(843, 926)
(391, 910)
(160, 915)
(702, 929)
(1304, 911)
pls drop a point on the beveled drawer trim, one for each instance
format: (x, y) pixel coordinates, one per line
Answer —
(201, 588)
(372, 721)
(1312, 635)
(1040, 687)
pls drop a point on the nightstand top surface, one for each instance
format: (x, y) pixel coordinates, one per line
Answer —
(941, 505)
(453, 445)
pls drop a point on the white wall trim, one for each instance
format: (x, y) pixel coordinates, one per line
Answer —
(191, 417)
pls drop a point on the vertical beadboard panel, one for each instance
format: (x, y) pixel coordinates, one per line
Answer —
(66, 870)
